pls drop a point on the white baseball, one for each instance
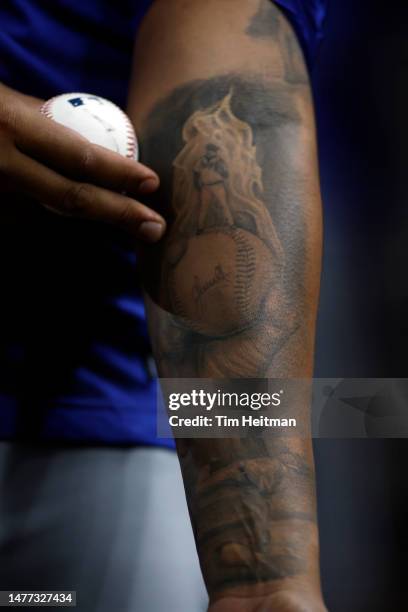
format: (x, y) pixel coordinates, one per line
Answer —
(99, 120)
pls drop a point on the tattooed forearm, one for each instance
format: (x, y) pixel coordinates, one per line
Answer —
(232, 304)
(232, 294)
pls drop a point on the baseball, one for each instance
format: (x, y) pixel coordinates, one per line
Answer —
(99, 120)
(234, 271)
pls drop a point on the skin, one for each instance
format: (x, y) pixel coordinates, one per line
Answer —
(224, 113)
(46, 162)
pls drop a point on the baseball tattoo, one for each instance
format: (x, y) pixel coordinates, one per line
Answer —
(230, 239)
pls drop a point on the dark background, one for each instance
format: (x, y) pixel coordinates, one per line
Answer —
(361, 94)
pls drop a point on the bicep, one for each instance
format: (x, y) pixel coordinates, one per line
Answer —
(222, 105)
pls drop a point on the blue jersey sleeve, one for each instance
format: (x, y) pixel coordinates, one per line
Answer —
(307, 18)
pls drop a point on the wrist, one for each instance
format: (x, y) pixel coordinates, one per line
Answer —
(294, 594)
(291, 600)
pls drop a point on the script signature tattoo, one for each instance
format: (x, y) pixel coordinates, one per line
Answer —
(199, 290)
(229, 297)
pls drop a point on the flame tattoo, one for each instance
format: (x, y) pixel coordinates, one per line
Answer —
(217, 179)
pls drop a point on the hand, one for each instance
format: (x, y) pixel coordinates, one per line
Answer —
(60, 169)
(284, 601)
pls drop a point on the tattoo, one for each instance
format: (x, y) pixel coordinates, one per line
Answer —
(231, 298)
(269, 23)
(295, 72)
(250, 508)
(224, 270)
(219, 278)
(265, 22)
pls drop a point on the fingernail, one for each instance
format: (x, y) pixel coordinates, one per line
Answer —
(148, 185)
(151, 231)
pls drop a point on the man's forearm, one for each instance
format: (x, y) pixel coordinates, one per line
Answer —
(226, 310)
(233, 293)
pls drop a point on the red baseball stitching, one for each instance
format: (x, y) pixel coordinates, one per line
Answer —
(131, 140)
(46, 107)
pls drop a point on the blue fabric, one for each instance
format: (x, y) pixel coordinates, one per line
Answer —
(74, 342)
(307, 18)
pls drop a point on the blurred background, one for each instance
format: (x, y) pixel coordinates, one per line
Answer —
(361, 94)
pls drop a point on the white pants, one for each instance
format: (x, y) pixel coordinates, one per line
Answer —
(110, 523)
